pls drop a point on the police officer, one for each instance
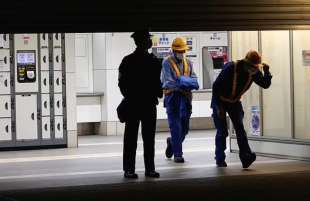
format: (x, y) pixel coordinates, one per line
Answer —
(233, 81)
(139, 83)
(178, 80)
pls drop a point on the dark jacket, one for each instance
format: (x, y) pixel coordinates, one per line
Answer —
(235, 74)
(139, 78)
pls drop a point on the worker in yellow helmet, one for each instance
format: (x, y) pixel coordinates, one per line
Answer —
(233, 81)
(178, 80)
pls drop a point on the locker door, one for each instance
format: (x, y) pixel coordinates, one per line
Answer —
(4, 60)
(26, 117)
(5, 106)
(57, 81)
(57, 59)
(57, 40)
(45, 82)
(5, 83)
(45, 104)
(58, 104)
(44, 59)
(43, 40)
(5, 129)
(46, 128)
(59, 127)
(4, 41)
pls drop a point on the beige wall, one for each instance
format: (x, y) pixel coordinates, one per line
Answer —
(301, 41)
(277, 99)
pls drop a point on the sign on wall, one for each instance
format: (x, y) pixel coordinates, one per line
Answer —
(306, 57)
(255, 121)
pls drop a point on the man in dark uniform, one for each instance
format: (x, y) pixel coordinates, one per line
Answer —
(233, 81)
(139, 83)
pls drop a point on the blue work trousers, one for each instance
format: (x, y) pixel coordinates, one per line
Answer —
(236, 114)
(179, 127)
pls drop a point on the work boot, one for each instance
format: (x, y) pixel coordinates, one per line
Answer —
(247, 159)
(152, 174)
(221, 164)
(169, 152)
(179, 159)
(130, 175)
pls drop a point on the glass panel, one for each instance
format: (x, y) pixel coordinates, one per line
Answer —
(242, 42)
(277, 99)
(301, 58)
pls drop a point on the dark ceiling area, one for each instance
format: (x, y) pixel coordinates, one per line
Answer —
(159, 15)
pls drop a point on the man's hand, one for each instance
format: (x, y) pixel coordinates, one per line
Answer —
(265, 67)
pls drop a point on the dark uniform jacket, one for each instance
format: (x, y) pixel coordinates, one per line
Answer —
(139, 79)
(234, 80)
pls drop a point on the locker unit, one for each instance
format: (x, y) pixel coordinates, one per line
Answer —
(26, 117)
(4, 60)
(5, 129)
(32, 90)
(4, 41)
(5, 106)
(5, 80)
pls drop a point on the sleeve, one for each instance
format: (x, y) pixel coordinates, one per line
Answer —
(263, 80)
(220, 81)
(123, 78)
(167, 76)
(159, 83)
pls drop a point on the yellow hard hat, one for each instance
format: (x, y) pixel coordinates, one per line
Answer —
(179, 44)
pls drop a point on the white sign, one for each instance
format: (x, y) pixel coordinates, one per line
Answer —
(255, 121)
(215, 39)
(306, 57)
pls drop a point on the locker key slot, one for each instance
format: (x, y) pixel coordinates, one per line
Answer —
(7, 128)
(45, 104)
(6, 106)
(58, 104)
(44, 81)
(44, 59)
(5, 59)
(58, 126)
(45, 127)
(32, 116)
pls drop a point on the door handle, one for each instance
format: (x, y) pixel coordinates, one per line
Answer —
(57, 81)
(58, 104)
(45, 104)
(7, 128)
(57, 58)
(43, 36)
(44, 81)
(44, 59)
(5, 59)
(6, 83)
(32, 116)
(58, 126)
(4, 37)
(56, 36)
(6, 106)
(45, 127)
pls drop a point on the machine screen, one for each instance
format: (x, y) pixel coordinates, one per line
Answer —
(26, 58)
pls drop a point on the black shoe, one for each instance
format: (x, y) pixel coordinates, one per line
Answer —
(152, 174)
(179, 159)
(169, 152)
(221, 164)
(247, 159)
(130, 175)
